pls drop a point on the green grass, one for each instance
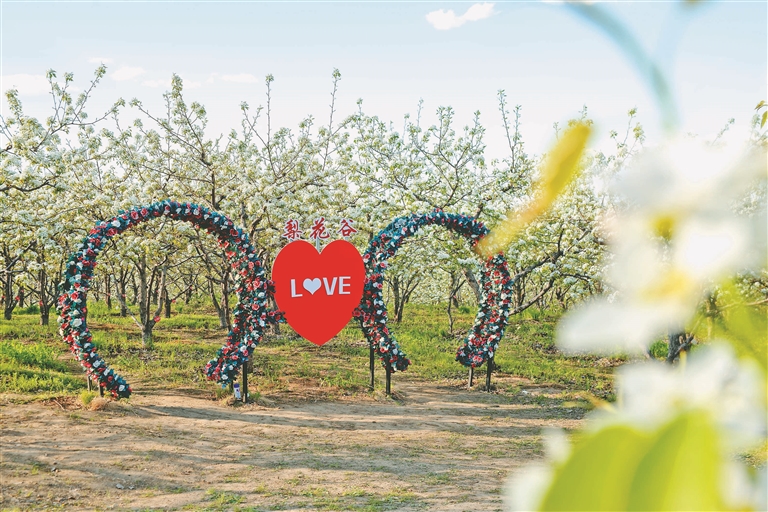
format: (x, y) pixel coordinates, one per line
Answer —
(34, 355)
(527, 349)
(31, 359)
(86, 397)
(45, 382)
(659, 349)
(34, 360)
(220, 499)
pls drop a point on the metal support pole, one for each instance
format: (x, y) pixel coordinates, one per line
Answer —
(245, 383)
(389, 379)
(471, 377)
(372, 367)
(490, 369)
(88, 378)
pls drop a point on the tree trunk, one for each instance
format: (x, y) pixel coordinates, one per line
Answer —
(216, 305)
(108, 288)
(276, 325)
(678, 342)
(225, 308)
(43, 281)
(144, 303)
(455, 287)
(22, 296)
(146, 337)
(399, 308)
(135, 289)
(46, 305)
(402, 289)
(394, 285)
(474, 285)
(6, 276)
(146, 300)
(166, 301)
(44, 315)
(518, 289)
(9, 301)
(122, 285)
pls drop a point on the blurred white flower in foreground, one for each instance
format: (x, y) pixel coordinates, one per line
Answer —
(673, 428)
(712, 379)
(679, 231)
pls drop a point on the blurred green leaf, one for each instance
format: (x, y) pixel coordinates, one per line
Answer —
(621, 468)
(747, 329)
(764, 119)
(681, 469)
(598, 474)
(743, 325)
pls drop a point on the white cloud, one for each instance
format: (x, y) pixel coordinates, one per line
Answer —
(446, 20)
(478, 12)
(27, 85)
(100, 60)
(242, 78)
(127, 73)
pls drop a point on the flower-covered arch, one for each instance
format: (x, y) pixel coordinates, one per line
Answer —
(250, 313)
(483, 339)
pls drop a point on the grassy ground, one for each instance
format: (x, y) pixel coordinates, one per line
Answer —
(34, 362)
(313, 437)
(312, 433)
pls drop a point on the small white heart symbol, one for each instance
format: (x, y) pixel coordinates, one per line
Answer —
(312, 285)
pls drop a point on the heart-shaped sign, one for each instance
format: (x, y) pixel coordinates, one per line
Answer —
(318, 291)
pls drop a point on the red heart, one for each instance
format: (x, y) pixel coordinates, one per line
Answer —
(318, 291)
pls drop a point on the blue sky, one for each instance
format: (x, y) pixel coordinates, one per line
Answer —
(547, 58)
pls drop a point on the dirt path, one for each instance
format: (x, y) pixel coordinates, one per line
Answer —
(434, 448)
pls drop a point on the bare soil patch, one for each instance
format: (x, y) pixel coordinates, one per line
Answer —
(434, 447)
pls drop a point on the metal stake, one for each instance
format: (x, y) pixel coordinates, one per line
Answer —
(372, 367)
(388, 388)
(245, 383)
(491, 365)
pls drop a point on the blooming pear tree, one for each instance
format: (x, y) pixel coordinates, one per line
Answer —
(299, 175)
(171, 156)
(33, 154)
(39, 162)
